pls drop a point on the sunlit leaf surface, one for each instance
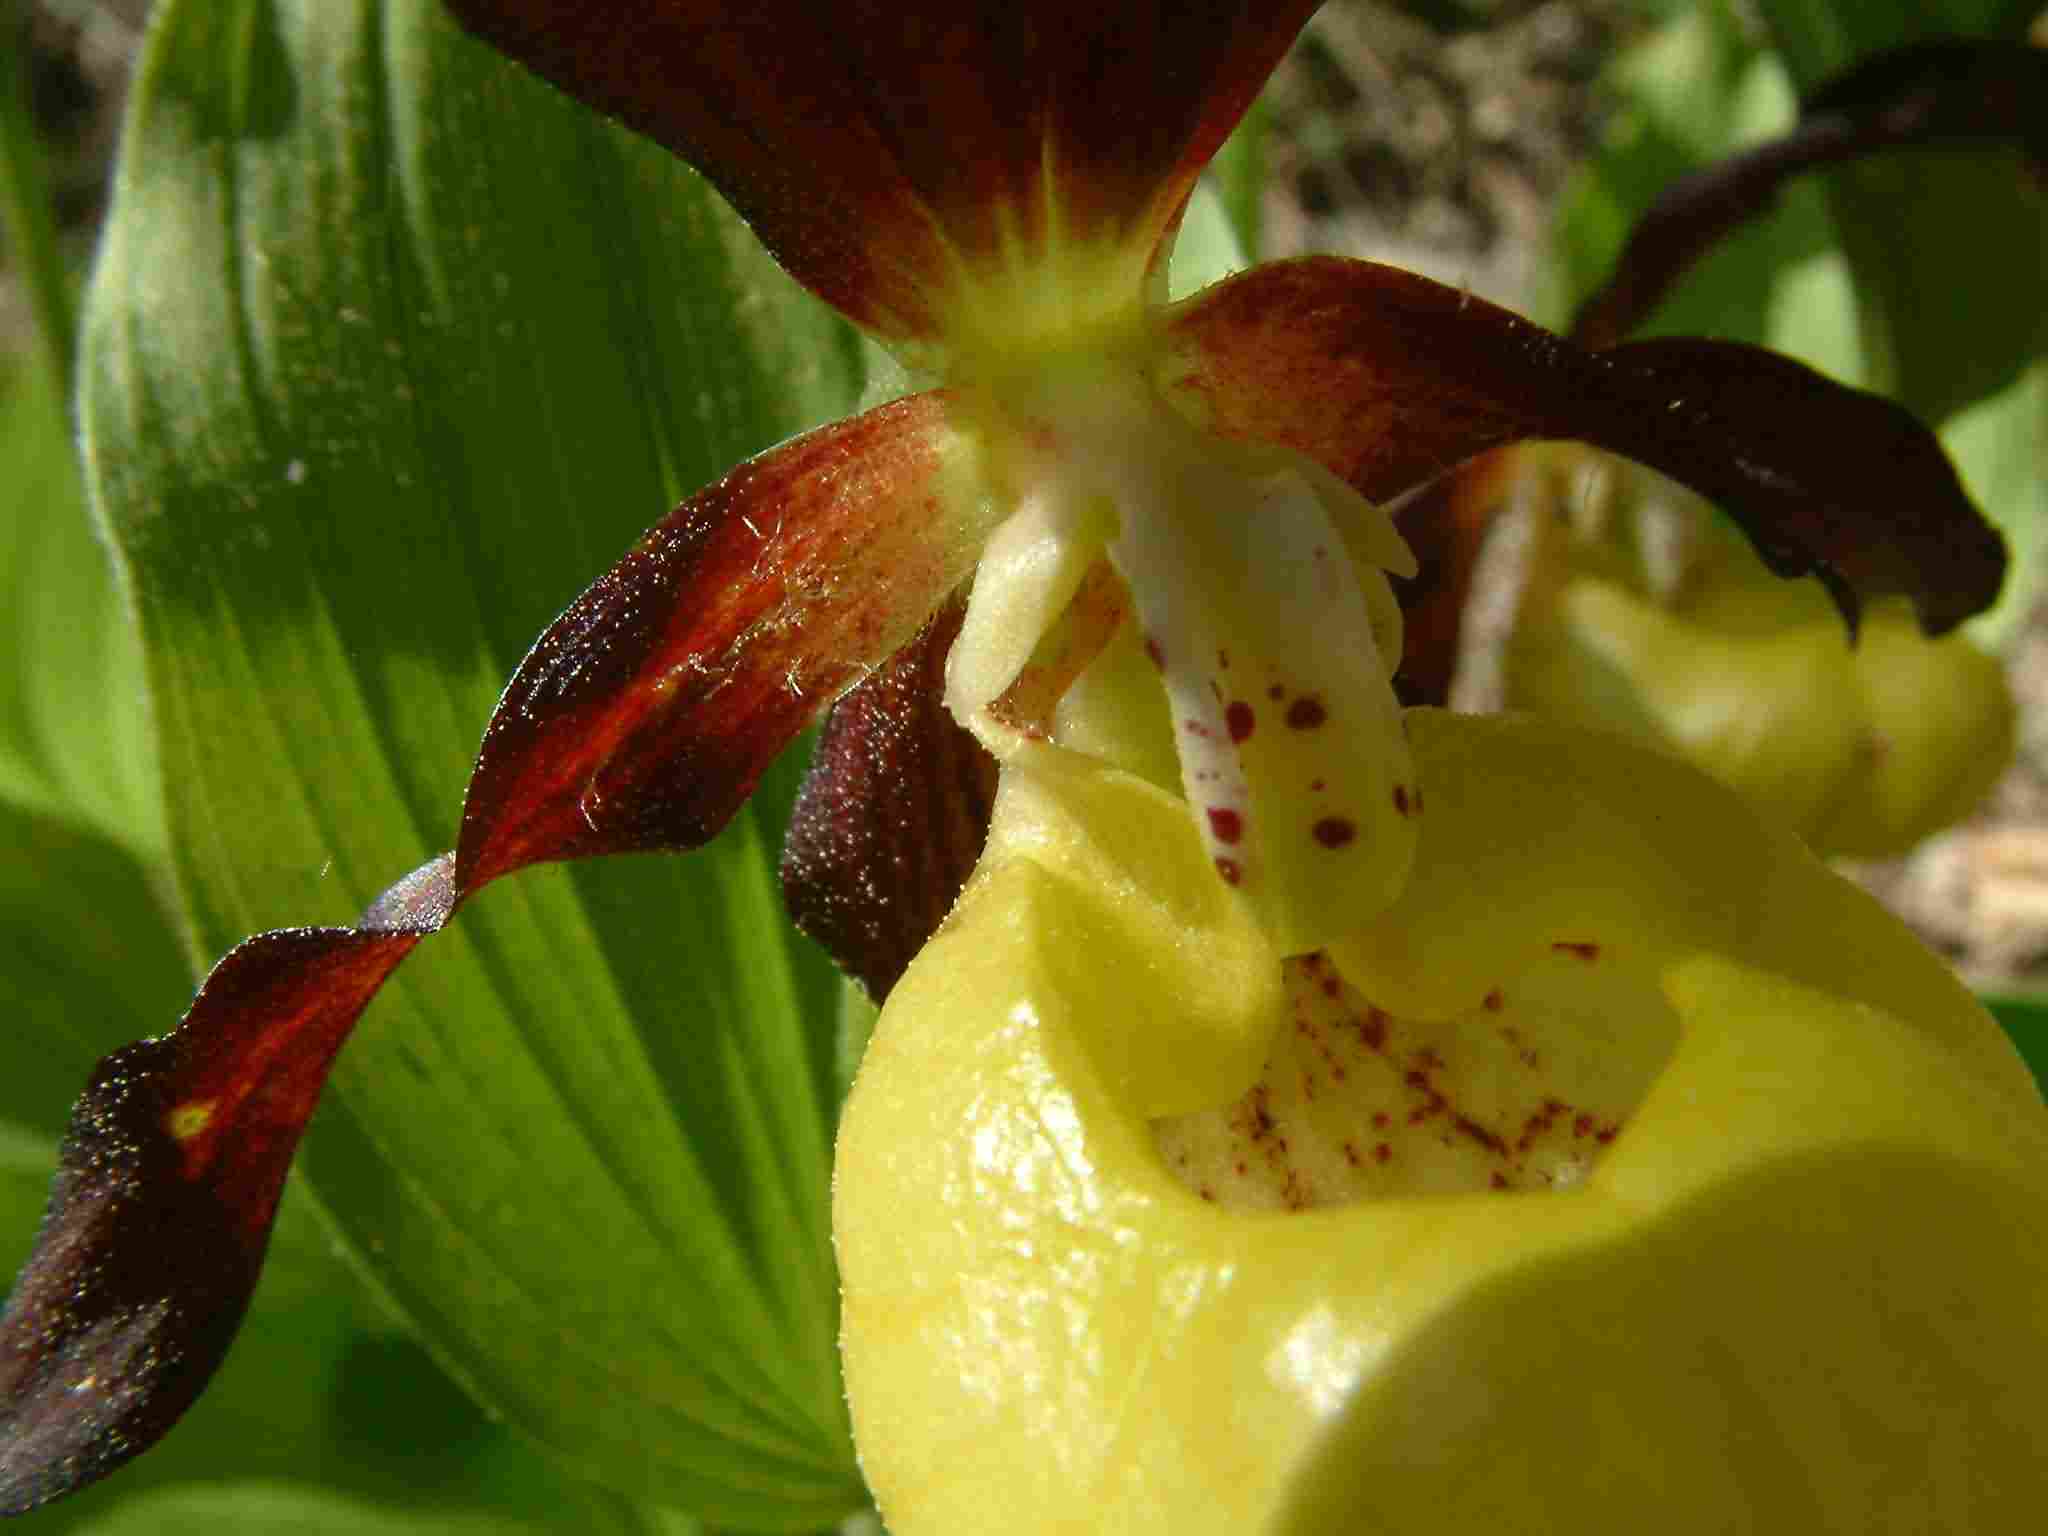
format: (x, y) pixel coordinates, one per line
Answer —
(390, 352)
(74, 743)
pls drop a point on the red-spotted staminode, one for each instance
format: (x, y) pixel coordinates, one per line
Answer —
(990, 189)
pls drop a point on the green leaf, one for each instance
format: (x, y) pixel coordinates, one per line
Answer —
(2000, 447)
(91, 961)
(2026, 1020)
(1238, 175)
(390, 351)
(74, 742)
(1818, 38)
(1208, 248)
(91, 955)
(1898, 217)
(269, 1510)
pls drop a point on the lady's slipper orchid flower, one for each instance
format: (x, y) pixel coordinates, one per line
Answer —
(1156, 517)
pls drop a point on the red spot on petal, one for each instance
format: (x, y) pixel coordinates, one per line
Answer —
(1334, 831)
(1382, 1152)
(1494, 1001)
(1225, 824)
(1152, 650)
(1240, 719)
(1332, 987)
(1479, 1133)
(1276, 693)
(1231, 871)
(1401, 799)
(1584, 951)
(1500, 1181)
(1306, 713)
(1316, 786)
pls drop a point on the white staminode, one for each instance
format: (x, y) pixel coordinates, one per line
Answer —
(1258, 585)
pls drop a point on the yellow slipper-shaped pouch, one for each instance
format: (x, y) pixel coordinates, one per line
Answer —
(1631, 1172)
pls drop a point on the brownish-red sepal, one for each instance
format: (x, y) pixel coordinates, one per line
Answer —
(871, 144)
(1945, 91)
(1389, 379)
(1445, 523)
(892, 816)
(166, 1187)
(644, 716)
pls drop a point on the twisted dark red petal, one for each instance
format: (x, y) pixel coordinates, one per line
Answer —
(871, 143)
(1389, 379)
(892, 816)
(644, 716)
(162, 1207)
(641, 720)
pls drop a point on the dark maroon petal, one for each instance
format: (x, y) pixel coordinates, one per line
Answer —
(162, 1206)
(645, 715)
(1388, 379)
(892, 817)
(873, 143)
(1951, 91)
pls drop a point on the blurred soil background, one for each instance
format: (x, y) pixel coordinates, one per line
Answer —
(1437, 135)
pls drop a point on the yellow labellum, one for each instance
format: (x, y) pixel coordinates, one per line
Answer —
(1800, 1290)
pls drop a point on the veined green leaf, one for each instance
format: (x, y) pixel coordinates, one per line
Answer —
(389, 352)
